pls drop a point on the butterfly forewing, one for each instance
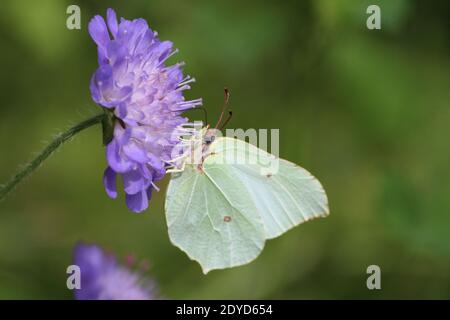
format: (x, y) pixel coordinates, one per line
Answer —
(285, 194)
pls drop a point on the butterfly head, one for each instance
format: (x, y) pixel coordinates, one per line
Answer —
(210, 135)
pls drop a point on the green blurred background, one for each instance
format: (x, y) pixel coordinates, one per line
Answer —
(366, 111)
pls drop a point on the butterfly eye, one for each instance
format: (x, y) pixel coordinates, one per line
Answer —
(209, 139)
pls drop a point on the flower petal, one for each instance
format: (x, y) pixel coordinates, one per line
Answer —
(158, 166)
(133, 182)
(103, 90)
(112, 22)
(122, 135)
(135, 152)
(137, 202)
(145, 42)
(98, 31)
(102, 58)
(115, 160)
(110, 182)
(115, 52)
(101, 81)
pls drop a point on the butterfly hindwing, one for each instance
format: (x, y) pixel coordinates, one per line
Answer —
(210, 218)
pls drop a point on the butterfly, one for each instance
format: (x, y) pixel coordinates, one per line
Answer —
(225, 202)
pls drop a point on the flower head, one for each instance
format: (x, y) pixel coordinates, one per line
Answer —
(146, 98)
(104, 278)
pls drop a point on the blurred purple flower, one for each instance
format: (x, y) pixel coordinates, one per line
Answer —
(104, 278)
(146, 97)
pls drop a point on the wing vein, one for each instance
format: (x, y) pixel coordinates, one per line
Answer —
(293, 200)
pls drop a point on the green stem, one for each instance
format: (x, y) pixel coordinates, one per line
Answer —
(44, 154)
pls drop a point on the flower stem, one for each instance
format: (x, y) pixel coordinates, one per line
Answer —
(44, 154)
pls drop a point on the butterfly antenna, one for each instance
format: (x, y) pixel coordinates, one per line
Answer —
(230, 115)
(225, 106)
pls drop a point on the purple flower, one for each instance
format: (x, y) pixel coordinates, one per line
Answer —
(146, 97)
(104, 278)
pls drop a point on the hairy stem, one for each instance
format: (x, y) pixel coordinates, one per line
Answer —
(44, 154)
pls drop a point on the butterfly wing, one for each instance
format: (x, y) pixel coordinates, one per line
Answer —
(285, 194)
(210, 217)
(221, 214)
